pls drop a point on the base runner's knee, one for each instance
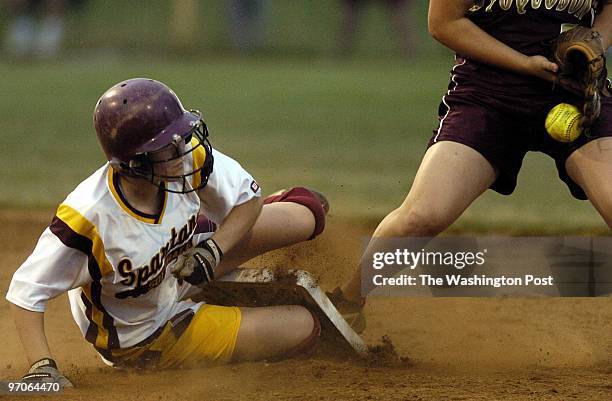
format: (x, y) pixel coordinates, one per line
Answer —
(308, 345)
(304, 197)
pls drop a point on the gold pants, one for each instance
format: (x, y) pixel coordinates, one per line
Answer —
(187, 340)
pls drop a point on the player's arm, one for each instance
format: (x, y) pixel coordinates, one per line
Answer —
(200, 264)
(51, 270)
(603, 24)
(232, 199)
(30, 327)
(237, 223)
(449, 25)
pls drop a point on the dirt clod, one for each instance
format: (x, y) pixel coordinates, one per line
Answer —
(385, 355)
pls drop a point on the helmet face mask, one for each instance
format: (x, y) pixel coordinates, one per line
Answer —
(167, 164)
(146, 133)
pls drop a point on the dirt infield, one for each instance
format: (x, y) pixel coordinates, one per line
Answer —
(459, 349)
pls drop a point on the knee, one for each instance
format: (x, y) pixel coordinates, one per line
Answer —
(309, 327)
(314, 201)
(421, 221)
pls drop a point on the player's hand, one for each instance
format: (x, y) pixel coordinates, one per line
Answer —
(197, 265)
(542, 67)
(45, 371)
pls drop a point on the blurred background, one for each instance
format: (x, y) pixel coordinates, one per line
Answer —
(338, 95)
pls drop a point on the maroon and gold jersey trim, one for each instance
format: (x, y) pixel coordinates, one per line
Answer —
(101, 331)
(76, 232)
(76, 225)
(113, 179)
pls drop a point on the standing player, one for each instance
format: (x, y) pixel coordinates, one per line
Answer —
(166, 212)
(499, 95)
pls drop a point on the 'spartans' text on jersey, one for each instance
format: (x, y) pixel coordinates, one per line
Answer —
(147, 277)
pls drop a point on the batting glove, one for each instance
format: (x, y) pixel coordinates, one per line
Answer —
(45, 371)
(197, 265)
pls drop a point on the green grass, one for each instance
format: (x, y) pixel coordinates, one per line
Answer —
(304, 27)
(356, 131)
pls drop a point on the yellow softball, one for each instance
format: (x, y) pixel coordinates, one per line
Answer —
(563, 122)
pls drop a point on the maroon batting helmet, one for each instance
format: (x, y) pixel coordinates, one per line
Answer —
(140, 116)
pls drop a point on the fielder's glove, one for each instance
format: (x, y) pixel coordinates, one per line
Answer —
(45, 371)
(580, 55)
(197, 265)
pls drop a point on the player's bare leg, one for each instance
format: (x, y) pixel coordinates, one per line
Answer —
(451, 176)
(280, 224)
(287, 331)
(591, 168)
(288, 217)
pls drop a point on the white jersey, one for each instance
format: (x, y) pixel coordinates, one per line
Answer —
(113, 259)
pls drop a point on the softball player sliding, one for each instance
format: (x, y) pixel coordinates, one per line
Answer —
(167, 212)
